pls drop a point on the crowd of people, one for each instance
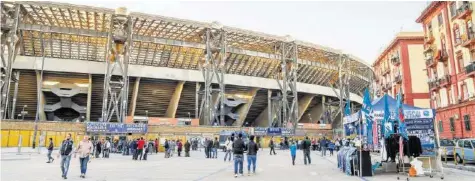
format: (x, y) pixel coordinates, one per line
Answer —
(234, 147)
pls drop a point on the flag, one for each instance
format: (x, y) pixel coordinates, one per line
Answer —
(367, 110)
(386, 125)
(347, 108)
(400, 116)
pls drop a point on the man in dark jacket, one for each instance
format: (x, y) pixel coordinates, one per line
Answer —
(215, 147)
(238, 150)
(50, 150)
(306, 150)
(187, 148)
(179, 147)
(252, 149)
(167, 149)
(66, 151)
(210, 148)
(271, 146)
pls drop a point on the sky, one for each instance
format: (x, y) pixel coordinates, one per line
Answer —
(360, 28)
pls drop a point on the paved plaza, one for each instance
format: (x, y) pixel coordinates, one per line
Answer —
(122, 168)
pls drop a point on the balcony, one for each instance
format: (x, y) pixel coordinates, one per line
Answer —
(444, 81)
(429, 39)
(433, 84)
(395, 60)
(430, 61)
(442, 55)
(464, 11)
(398, 79)
(468, 40)
(386, 71)
(470, 70)
(386, 87)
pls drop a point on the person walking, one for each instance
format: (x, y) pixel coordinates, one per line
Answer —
(306, 150)
(98, 148)
(252, 149)
(238, 151)
(146, 150)
(323, 145)
(156, 145)
(167, 148)
(180, 147)
(229, 148)
(134, 149)
(215, 147)
(331, 147)
(272, 145)
(172, 147)
(187, 148)
(50, 151)
(293, 151)
(84, 149)
(210, 148)
(65, 152)
(140, 146)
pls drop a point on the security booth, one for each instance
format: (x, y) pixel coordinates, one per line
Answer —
(119, 134)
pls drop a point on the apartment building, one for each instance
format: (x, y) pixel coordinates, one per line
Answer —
(401, 67)
(449, 51)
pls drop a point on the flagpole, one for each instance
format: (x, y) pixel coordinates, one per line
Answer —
(361, 145)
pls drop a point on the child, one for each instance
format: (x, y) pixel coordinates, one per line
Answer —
(331, 147)
(293, 151)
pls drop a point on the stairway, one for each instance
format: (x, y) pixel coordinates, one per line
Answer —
(259, 104)
(27, 94)
(186, 104)
(154, 96)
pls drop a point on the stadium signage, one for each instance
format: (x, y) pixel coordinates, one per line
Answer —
(115, 128)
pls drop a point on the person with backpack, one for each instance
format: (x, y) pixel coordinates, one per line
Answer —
(50, 151)
(306, 150)
(65, 151)
(293, 151)
(229, 148)
(167, 149)
(252, 149)
(238, 151)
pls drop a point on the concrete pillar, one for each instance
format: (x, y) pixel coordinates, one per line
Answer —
(89, 95)
(135, 93)
(173, 105)
(304, 102)
(244, 109)
(41, 106)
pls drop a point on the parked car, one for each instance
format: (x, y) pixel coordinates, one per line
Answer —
(447, 148)
(464, 150)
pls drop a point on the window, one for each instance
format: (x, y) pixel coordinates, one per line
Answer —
(467, 144)
(442, 44)
(464, 92)
(470, 29)
(460, 143)
(461, 63)
(449, 95)
(472, 55)
(466, 122)
(441, 127)
(453, 10)
(458, 40)
(429, 29)
(452, 124)
(440, 19)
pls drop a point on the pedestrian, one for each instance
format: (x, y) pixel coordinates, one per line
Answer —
(84, 149)
(229, 148)
(337, 145)
(323, 145)
(293, 151)
(272, 145)
(172, 147)
(187, 148)
(252, 149)
(180, 147)
(306, 150)
(167, 149)
(50, 151)
(98, 148)
(134, 149)
(146, 149)
(331, 147)
(238, 150)
(314, 144)
(140, 146)
(156, 145)
(65, 151)
(215, 147)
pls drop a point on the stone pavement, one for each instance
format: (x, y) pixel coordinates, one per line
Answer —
(122, 168)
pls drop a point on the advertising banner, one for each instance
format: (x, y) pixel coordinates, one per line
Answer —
(424, 130)
(274, 131)
(100, 127)
(260, 131)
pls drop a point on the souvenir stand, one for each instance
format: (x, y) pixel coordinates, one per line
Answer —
(420, 141)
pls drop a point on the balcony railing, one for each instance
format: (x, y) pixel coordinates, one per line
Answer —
(429, 39)
(386, 71)
(443, 55)
(433, 83)
(464, 11)
(395, 60)
(430, 60)
(470, 69)
(469, 39)
(444, 80)
(398, 79)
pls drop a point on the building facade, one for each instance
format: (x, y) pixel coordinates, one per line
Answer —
(449, 51)
(400, 67)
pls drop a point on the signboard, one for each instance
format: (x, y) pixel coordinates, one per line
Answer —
(424, 130)
(408, 114)
(260, 131)
(286, 132)
(274, 131)
(101, 127)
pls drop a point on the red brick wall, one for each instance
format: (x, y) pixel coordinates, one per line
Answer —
(446, 113)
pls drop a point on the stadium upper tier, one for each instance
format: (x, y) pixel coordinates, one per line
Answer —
(80, 32)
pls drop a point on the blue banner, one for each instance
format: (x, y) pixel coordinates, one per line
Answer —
(424, 130)
(100, 127)
(274, 131)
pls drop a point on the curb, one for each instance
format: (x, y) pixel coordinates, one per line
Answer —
(460, 167)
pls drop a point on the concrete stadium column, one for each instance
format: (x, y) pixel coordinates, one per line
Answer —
(173, 105)
(41, 107)
(304, 102)
(134, 97)
(89, 95)
(244, 109)
(313, 115)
